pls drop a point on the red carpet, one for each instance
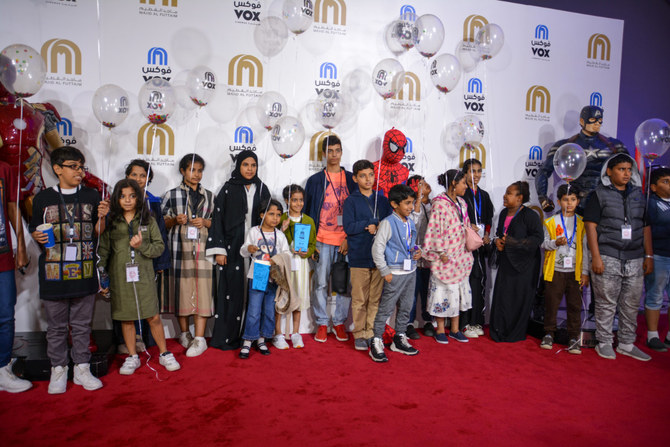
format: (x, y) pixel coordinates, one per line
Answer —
(329, 394)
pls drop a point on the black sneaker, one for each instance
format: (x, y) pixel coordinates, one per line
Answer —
(400, 344)
(412, 334)
(574, 346)
(377, 350)
(656, 344)
(547, 342)
(666, 342)
(429, 329)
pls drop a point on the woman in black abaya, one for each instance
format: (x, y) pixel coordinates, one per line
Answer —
(518, 238)
(236, 209)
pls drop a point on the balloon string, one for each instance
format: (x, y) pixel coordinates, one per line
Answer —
(295, 64)
(18, 228)
(381, 153)
(144, 190)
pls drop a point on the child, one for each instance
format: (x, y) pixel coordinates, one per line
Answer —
(360, 223)
(566, 268)
(188, 211)
(621, 251)
(395, 255)
(300, 268)
(421, 216)
(261, 243)
(68, 280)
(518, 238)
(126, 250)
(658, 214)
(449, 288)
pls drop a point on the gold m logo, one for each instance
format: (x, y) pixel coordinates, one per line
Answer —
(602, 42)
(413, 86)
(149, 134)
(172, 3)
(472, 24)
(468, 151)
(253, 66)
(538, 210)
(538, 93)
(315, 152)
(321, 8)
(54, 48)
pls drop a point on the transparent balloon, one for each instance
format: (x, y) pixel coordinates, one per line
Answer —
(271, 106)
(453, 138)
(22, 70)
(489, 40)
(473, 129)
(201, 84)
(430, 35)
(287, 136)
(468, 55)
(271, 36)
(157, 100)
(388, 77)
(391, 42)
(652, 138)
(330, 108)
(356, 86)
(404, 31)
(569, 161)
(445, 71)
(110, 105)
(298, 15)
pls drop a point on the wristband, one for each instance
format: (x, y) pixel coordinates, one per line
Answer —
(649, 256)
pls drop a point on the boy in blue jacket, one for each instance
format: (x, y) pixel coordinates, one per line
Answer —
(362, 211)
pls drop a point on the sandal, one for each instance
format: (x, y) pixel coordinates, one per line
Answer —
(244, 352)
(263, 348)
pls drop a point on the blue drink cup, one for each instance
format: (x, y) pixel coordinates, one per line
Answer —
(48, 229)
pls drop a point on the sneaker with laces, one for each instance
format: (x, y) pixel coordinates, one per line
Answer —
(605, 351)
(198, 346)
(479, 330)
(185, 339)
(321, 334)
(130, 365)
(469, 331)
(361, 344)
(83, 377)
(377, 350)
(412, 334)
(574, 346)
(279, 342)
(9, 382)
(58, 380)
(634, 352)
(340, 333)
(168, 361)
(296, 341)
(656, 344)
(400, 344)
(458, 336)
(547, 342)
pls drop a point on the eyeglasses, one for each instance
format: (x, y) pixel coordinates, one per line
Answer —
(76, 167)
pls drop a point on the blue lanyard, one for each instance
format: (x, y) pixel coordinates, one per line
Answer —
(574, 230)
(478, 205)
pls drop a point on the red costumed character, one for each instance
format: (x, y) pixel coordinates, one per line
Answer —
(388, 170)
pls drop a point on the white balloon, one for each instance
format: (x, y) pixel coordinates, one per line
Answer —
(157, 100)
(388, 77)
(468, 55)
(430, 35)
(287, 136)
(271, 36)
(270, 107)
(445, 71)
(110, 105)
(298, 15)
(201, 84)
(489, 40)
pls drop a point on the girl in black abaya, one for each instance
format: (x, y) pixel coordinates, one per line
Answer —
(236, 209)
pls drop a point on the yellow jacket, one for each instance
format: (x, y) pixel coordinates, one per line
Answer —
(550, 255)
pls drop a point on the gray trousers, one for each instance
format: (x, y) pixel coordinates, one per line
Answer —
(619, 285)
(399, 291)
(77, 313)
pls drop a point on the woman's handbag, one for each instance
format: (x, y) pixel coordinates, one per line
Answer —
(472, 239)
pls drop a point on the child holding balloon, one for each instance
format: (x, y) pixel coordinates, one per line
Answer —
(566, 267)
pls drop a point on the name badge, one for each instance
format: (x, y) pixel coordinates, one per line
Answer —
(567, 262)
(407, 265)
(71, 252)
(192, 232)
(480, 230)
(626, 232)
(339, 220)
(295, 263)
(132, 272)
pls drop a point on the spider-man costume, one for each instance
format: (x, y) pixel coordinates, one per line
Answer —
(391, 172)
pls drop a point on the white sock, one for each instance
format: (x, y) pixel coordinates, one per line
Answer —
(247, 343)
(261, 340)
(651, 334)
(626, 346)
(200, 338)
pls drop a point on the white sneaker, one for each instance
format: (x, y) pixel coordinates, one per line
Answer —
(9, 382)
(168, 361)
(279, 342)
(479, 330)
(470, 332)
(130, 365)
(185, 339)
(198, 346)
(58, 380)
(296, 340)
(83, 377)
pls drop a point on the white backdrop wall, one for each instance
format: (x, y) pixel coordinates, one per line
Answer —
(527, 96)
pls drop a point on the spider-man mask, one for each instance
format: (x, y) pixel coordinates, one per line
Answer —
(394, 146)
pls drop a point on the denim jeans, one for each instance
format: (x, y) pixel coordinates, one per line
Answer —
(7, 304)
(327, 257)
(260, 319)
(656, 282)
